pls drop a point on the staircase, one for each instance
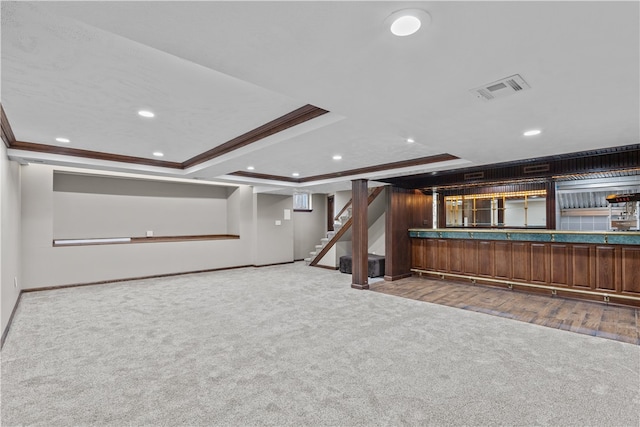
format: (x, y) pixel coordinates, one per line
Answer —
(342, 223)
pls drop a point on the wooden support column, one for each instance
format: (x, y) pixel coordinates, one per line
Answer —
(360, 234)
(442, 211)
(551, 204)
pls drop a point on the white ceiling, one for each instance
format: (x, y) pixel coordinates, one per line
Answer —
(212, 71)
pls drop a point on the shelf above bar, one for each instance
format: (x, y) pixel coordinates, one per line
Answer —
(129, 240)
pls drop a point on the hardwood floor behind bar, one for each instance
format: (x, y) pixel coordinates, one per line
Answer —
(591, 318)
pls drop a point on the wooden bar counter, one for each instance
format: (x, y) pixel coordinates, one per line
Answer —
(603, 266)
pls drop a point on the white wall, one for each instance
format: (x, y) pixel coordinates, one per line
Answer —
(536, 213)
(309, 227)
(274, 243)
(55, 266)
(234, 204)
(340, 199)
(376, 235)
(10, 219)
(90, 206)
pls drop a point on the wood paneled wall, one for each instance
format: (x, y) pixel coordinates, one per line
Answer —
(605, 160)
(405, 209)
(600, 268)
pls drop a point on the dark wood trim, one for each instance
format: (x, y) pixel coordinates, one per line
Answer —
(272, 264)
(405, 209)
(195, 238)
(13, 312)
(601, 163)
(291, 119)
(360, 234)
(128, 279)
(330, 209)
(7, 133)
(442, 213)
(369, 169)
(153, 239)
(75, 152)
(551, 204)
(301, 115)
(383, 167)
(296, 117)
(397, 277)
(325, 267)
(265, 176)
(155, 276)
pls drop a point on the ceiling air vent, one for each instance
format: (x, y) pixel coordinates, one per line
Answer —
(501, 88)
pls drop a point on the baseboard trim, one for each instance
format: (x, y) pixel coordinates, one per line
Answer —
(397, 277)
(275, 263)
(325, 267)
(13, 312)
(155, 276)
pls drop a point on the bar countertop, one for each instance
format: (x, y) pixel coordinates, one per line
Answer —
(524, 235)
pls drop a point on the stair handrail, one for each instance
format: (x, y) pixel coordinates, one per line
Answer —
(372, 196)
(349, 203)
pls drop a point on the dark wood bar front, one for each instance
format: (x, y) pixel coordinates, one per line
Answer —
(577, 265)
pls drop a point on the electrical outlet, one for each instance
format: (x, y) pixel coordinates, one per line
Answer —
(150, 233)
(15, 282)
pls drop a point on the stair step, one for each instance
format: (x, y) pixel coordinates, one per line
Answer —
(307, 260)
(313, 254)
(325, 240)
(319, 246)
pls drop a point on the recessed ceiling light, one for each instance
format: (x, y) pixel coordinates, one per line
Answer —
(158, 154)
(532, 132)
(250, 168)
(146, 113)
(295, 174)
(407, 21)
(63, 140)
(410, 140)
(337, 157)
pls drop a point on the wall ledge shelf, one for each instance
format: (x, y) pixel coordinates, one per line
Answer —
(130, 240)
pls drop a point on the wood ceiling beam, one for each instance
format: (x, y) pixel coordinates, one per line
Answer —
(7, 133)
(296, 117)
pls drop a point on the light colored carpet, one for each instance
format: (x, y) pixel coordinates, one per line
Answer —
(295, 345)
